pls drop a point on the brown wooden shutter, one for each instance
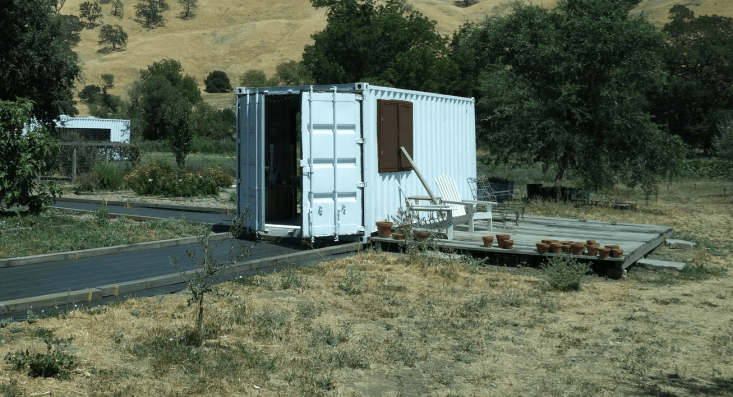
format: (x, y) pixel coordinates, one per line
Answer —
(405, 134)
(394, 129)
(387, 136)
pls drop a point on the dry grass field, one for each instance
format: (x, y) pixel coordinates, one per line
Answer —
(238, 35)
(379, 324)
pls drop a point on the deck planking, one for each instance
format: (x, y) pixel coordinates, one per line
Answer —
(637, 240)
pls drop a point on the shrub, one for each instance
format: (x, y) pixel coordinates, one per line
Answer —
(563, 273)
(52, 364)
(111, 175)
(217, 81)
(161, 178)
(87, 182)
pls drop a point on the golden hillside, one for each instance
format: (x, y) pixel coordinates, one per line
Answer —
(237, 35)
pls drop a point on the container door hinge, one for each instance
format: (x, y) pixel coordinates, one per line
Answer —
(360, 184)
(360, 140)
(359, 97)
(360, 229)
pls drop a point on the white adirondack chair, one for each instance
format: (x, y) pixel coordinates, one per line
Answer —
(443, 211)
(464, 210)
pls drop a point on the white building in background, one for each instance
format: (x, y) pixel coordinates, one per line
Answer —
(102, 130)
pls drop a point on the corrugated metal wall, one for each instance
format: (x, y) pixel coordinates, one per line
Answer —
(119, 129)
(444, 142)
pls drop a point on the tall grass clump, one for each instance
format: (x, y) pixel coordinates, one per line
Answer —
(111, 175)
(564, 273)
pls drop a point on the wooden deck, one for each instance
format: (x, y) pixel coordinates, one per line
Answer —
(636, 240)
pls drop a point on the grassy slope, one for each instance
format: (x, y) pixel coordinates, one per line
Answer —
(237, 35)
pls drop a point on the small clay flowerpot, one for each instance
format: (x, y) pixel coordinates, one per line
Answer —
(384, 229)
(508, 244)
(566, 248)
(500, 238)
(604, 252)
(547, 241)
(592, 249)
(488, 240)
(612, 246)
(543, 248)
(567, 242)
(556, 248)
(577, 249)
(420, 235)
(589, 242)
(617, 252)
(398, 236)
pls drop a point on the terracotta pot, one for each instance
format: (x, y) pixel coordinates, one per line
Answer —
(398, 236)
(589, 242)
(488, 240)
(543, 248)
(556, 248)
(508, 244)
(617, 252)
(604, 252)
(384, 229)
(420, 235)
(592, 249)
(612, 246)
(547, 241)
(566, 248)
(567, 242)
(577, 249)
(500, 238)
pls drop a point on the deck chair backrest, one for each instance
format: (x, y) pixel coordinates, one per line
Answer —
(449, 191)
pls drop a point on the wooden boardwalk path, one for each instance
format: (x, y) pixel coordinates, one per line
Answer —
(637, 240)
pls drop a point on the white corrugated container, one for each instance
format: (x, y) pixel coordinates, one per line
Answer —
(299, 179)
(119, 130)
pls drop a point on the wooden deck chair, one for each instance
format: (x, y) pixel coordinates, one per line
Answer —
(444, 213)
(464, 210)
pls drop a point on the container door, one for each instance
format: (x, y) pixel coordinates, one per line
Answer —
(251, 157)
(332, 175)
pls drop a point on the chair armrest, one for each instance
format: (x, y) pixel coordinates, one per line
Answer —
(436, 207)
(479, 202)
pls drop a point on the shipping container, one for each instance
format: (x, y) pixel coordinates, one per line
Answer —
(98, 130)
(325, 161)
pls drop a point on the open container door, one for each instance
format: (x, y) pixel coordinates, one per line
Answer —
(251, 155)
(332, 174)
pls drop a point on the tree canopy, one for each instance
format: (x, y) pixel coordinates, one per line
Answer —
(378, 43)
(699, 58)
(149, 13)
(35, 59)
(217, 81)
(161, 84)
(112, 37)
(567, 88)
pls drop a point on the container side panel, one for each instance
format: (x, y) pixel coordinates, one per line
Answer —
(251, 160)
(444, 137)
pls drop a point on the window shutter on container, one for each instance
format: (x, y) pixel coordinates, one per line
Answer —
(394, 129)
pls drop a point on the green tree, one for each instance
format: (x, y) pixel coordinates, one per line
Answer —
(378, 43)
(105, 104)
(179, 126)
(217, 81)
(35, 59)
(699, 59)
(91, 11)
(214, 123)
(189, 8)
(150, 12)
(160, 83)
(293, 73)
(256, 78)
(24, 148)
(118, 9)
(112, 35)
(72, 29)
(723, 143)
(567, 88)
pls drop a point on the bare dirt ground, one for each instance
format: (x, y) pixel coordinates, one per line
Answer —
(238, 35)
(379, 324)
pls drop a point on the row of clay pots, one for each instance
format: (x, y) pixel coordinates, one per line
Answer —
(578, 248)
(502, 240)
(384, 229)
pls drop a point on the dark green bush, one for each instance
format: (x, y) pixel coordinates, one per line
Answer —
(55, 363)
(217, 81)
(563, 273)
